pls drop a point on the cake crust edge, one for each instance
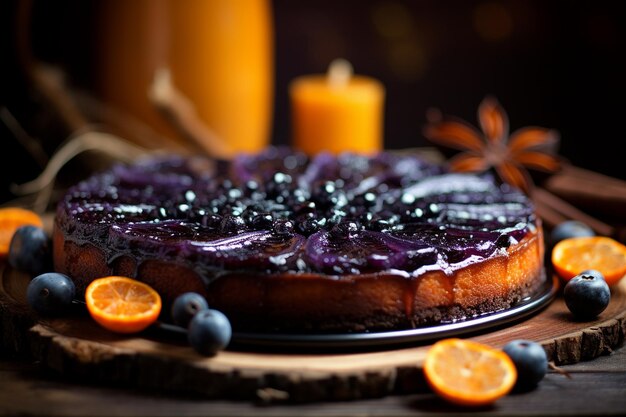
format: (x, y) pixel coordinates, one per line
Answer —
(310, 302)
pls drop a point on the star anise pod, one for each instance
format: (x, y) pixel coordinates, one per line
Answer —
(509, 155)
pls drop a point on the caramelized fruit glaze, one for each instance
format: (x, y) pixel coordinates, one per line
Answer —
(278, 240)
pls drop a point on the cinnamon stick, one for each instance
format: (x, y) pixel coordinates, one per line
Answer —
(591, 190)
(557, 210)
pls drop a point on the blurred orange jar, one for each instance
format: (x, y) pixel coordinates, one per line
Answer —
(220, 53)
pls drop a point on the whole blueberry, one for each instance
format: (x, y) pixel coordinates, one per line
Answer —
(29, 250)
(50, 293)
(345, 229)
(262, 221)
(530, 361)
(308, 226)
(283, 227)
(212, 221)
(586, 295)
(307, 207)
(186, 306)
(232, 224)
(569, 228)
(209, 332)
(379, 224)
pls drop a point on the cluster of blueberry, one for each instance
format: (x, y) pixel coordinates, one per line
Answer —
(52, 294)
(377, 194)
(208, 330)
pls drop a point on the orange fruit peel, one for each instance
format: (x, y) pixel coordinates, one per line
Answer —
(572, 256)
(469, 373)
(12, 218)
(121, 304)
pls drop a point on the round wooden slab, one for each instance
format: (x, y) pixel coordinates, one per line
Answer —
(76, 346)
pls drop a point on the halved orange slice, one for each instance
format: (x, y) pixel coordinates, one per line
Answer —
(11, 218)
(469, 373)
(572, 256)
(122, 304)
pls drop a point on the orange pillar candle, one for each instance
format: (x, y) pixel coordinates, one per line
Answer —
(337, 112)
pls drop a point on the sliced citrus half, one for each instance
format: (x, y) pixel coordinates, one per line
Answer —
(12, 218)
(468, 373)
(572, 256)
(122, 304)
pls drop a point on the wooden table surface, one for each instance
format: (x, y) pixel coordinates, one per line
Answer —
(596, 387)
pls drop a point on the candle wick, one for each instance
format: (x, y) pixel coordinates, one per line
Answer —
(339, 73)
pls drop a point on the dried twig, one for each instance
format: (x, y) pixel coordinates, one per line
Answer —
(182, 115)
(50, 82)
(108, 144)
(83, 137)
(558, 370)
(32, 146)
(269, 395)
(81, 142)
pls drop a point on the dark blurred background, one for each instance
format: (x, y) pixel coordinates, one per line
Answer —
(556, 64)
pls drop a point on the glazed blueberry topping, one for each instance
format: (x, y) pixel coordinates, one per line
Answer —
(232, 224)
(261, 221)
(212, 221)
(280, 211)
(283, 227)
(308, 226)
(346, 229)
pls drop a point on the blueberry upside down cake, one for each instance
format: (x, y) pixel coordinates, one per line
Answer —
(280, 241)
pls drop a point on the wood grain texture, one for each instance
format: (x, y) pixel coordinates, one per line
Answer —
(78, 348)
